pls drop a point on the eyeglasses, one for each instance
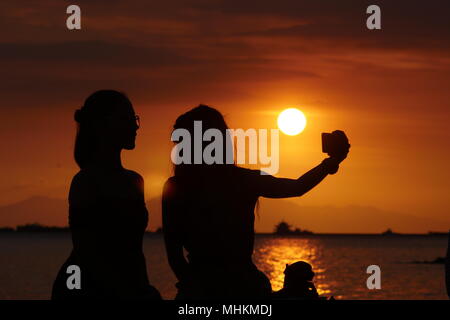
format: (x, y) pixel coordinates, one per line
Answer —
(138, 121)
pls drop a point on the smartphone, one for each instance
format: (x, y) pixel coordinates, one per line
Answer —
(333, 144)
(328, 143)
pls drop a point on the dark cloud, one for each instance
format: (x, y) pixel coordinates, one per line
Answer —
(159, 48)
(51, 72)
(110, 54)
(412, 24)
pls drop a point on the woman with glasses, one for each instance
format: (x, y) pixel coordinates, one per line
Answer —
(107, 212)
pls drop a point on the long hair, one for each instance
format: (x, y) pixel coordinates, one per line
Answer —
(211, 119)
(97, 106)
(194, 175)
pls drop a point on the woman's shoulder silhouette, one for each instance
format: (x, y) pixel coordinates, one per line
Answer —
(90, 184)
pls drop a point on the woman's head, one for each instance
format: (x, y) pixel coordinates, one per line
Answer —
(209, 118)
(106, 120)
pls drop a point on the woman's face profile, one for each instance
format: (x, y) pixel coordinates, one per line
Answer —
(121, 127)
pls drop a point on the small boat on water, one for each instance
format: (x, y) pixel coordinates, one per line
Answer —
(389, 232)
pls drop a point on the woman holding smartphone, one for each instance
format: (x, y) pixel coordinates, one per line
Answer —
(208, 210)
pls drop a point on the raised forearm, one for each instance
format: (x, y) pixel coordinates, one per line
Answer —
(311, 179)
(314, 176)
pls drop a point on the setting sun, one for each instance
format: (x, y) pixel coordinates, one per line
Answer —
(291, 121)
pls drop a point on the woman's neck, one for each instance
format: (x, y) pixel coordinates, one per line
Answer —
(108, 158)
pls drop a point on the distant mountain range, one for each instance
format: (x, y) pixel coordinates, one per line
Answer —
(319, 219)
(42, 210)
(348, 219)
(54, 212)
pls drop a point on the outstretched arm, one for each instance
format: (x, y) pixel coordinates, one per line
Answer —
(272, 187)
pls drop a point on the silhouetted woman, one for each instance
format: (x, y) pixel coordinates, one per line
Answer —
(208, 210)
(107, 212)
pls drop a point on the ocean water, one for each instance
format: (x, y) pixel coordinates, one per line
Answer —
(29, 263)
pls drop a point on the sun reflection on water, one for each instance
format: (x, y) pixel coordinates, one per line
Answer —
(271, 257)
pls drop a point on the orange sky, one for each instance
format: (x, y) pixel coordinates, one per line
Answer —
(388, 89)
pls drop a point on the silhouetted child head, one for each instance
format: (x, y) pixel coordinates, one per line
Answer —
(298, 272)
(298, 282)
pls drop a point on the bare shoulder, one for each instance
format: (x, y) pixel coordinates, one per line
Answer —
(82, 180)
(169, 187)
(134, 175)
(136, 179)
(248, 174)
(82, 188)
